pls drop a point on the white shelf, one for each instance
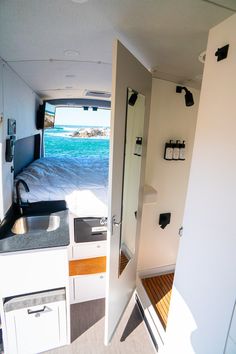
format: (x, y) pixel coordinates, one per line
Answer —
(150, 194)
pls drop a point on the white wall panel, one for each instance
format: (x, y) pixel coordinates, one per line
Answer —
(19, 103)
(169, 119)
(204, 290)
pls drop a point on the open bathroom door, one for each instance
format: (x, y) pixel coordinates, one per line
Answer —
(131, 91)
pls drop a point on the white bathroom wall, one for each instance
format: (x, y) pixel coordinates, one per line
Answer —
(169, 119)
(204, 289)
(20, 103)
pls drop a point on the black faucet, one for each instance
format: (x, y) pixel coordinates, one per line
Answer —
(18, 197)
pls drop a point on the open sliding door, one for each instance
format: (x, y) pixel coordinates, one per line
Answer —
(131, 90)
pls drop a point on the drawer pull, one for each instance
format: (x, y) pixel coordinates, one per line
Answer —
(101, 276)
(38, 312)
(98, 246)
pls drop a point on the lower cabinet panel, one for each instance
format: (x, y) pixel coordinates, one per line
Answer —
(87, 287)
(37, 329)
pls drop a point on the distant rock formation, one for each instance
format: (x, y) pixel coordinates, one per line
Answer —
(91, 133)
(48, 120)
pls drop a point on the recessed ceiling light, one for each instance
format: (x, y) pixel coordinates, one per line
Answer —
(202, 57)
(97, 93)
(79, 1)
(71, 52)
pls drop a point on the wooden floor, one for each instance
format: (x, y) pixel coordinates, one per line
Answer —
(124, 260)
(159, 290)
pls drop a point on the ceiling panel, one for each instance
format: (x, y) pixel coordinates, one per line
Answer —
(64, 76)
(166, 36)
(227, 4)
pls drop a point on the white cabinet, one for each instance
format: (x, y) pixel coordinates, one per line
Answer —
(89, 250)
(37, 328)
(91, 286)
(33, 272)
(88, 287)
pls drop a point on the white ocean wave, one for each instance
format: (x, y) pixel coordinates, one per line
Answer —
(65, 135)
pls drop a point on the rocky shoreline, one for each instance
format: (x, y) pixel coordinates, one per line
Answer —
(91, 133)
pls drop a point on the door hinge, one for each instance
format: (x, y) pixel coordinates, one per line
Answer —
(181, 230)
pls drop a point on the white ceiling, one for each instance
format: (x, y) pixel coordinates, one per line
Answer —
(166, 35)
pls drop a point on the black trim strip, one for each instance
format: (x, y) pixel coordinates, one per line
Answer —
(80, 102)
(140, 307)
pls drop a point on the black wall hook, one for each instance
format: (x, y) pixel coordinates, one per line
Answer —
(222, 52)
(164, 220)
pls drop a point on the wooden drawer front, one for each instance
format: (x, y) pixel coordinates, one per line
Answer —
(89, 287)
(36, 329)
(89, 250)
(87, 266)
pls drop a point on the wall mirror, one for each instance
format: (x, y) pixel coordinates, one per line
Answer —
(135, 111)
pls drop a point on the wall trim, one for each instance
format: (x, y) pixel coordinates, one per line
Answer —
(4, 62)
(144, 273)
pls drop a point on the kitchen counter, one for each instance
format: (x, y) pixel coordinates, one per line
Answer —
(38, 240)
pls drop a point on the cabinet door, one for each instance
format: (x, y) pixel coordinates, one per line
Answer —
(89, 287)
(131, 88)
(89, 250)
(37, 329)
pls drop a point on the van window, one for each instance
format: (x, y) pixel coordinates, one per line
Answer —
(78, 133)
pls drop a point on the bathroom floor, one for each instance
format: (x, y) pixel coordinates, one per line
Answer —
(159, 290)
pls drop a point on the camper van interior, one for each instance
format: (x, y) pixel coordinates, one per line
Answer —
(117, 176)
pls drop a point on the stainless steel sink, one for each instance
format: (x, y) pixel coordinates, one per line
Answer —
(32, 224)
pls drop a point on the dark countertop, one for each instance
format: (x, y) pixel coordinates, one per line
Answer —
(38, 240)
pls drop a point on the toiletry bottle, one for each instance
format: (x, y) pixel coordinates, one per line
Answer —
(138, 146)
(168, 154)
(182, 151)
(176, 150)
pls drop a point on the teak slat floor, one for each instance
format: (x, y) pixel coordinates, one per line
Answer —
(159, 290)
(87, 266)
(124, 260)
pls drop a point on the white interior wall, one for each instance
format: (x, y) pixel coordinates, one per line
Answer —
(20, 103)
(204, 290)
(169, 119)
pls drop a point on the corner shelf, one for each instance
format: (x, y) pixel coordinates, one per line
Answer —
(150, 194)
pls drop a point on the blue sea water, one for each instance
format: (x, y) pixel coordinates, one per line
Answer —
(58, 142)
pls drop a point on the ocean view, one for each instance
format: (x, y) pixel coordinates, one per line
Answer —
(59, 142)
